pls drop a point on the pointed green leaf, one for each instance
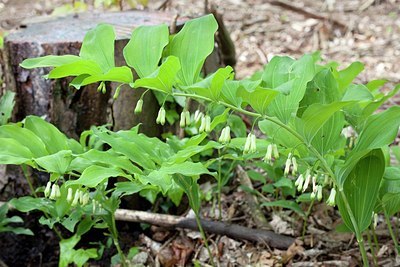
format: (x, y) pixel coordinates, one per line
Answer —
(361, 188)
(116, 74)
(53, 139)
(76, 68)
(163, 78)
(192, 45)
(144, 49)
(211, 86)
(287, 204)
(229, 93)
(346, 76)
(98, 46)
(56, 163)
(259, 99)
(314, 118)
(26, 138)
(95, 175)
(12, 152)
(49, 61)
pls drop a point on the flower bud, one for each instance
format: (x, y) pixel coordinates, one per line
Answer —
(299, 182)
(207, 128)
(85, 199)
(76, 198)
(225, 135)
(319, 192)
(53, 193)
(70, 195)
(182, 122)
(202, 125)
(58, 192)
(287, 166)
(375, 215)
(94, 206)
(312, 196)
(331, 199)
(81, 193)
(246, 148)
(187, 118)
(47, 189)
(307, 181)
(253, 144)
(268, 155)
(295, 166)
(139, 106)
(161, 116)
(275, 151)
(198, 115)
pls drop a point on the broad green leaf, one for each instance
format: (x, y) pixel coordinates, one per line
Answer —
(357, 92)
(53, 139)
(158, 178)
(189, 151)
(115, 74)
(95, 175)
(129, 188)
(49, 61)
(28, 203)
(211, 86)
(16, 230)
(6, 106)
(375, 84)
(144, 49)
(163, 78)
(12, 152)
(98, 45)
(361, 188)
(69, 255)
(287, 204)
(229, 93)
(300, 72)
(186, 168)
(56, 163)
(192, 45)
(379, 130)
(315, 116)
(259, 99)
(346, 76)
(106, 158)
(76, 68)
(277, 71)
(25, 137)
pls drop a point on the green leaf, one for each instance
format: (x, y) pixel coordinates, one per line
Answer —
(163, 78)
(95, 175)
(12, 152)
(191, 188)
(98, 46)
(192, 45)
(186, 168)
(53, 139)
(69, 255)
(49, 61)
(287, 204)
(28, 203)
(211, 86)
(361, 188)
(115, 74)
(25, 137)
(77, 68)
(144, 49)
(357, 92)
(315, 116)
(56, 163)
(259, 99)
(277, 71)
(6, 106)
(346, 76)
(129, 188)
(229, 93)
(299, 73)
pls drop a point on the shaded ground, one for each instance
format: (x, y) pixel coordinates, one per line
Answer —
(346, 31)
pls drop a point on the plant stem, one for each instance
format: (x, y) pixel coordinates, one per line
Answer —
(389, 224)
(372, 246)
(219, 187)
(203, 235)
(114, 233)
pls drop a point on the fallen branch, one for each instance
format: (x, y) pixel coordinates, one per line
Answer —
(221, 228)
(307, 12)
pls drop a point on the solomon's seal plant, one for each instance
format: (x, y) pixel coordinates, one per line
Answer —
(301, 106)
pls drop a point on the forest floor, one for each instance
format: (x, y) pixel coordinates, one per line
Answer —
(344, 31)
